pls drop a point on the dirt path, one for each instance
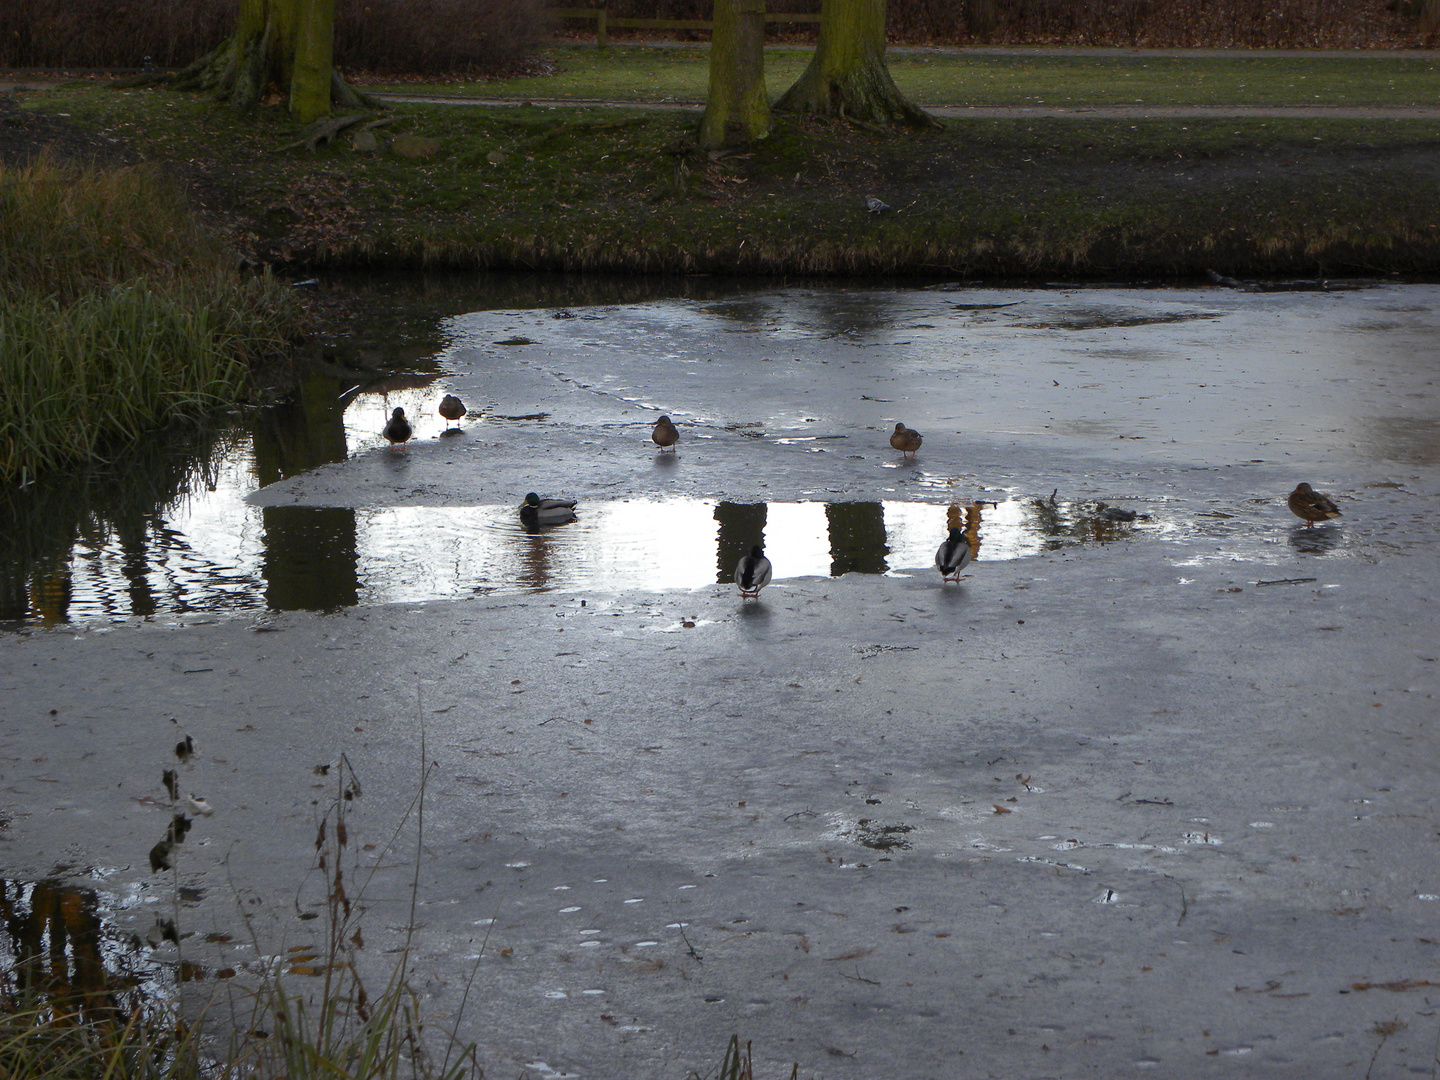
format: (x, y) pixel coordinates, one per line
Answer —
(1089, 112)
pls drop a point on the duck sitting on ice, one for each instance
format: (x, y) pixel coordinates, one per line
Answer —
(954, 555)
(537, 511)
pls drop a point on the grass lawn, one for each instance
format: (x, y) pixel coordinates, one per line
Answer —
(682, 74)
(581, 188)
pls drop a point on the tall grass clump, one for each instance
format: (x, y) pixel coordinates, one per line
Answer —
(45, 1039)
(119, 313)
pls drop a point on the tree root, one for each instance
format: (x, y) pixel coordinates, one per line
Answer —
(236, 72)
(865, 95)
(322, 131)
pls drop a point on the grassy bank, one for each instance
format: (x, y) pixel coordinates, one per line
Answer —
(582, 188)
(637, 74)
(119, 314)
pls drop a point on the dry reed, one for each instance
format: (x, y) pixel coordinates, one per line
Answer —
(118, 314)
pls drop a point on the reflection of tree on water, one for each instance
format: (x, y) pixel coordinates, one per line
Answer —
(304, 432)
(132, 530)
(311, 561)
(1062, 522)
(842, 314)
(1050, 521)
(53, 932)
(535, 562)
(40, 525)
(858, 542)
(404, 308)
(742, 526)
(969, 523)
(535, 554)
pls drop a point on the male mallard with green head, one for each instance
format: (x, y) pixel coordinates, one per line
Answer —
(537, 511)
(1305, 502)
(953, 556)
(752, 572)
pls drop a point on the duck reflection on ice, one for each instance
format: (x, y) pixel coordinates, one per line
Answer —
(1320, 540)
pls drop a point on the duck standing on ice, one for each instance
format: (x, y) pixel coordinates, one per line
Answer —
(752, 573)
(1305, 502)
(906, 440)
(397, 429)
(954, 555)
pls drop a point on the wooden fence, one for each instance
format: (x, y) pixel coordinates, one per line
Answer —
(604, 23)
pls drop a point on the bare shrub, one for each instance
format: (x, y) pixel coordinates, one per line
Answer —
(1288, 24)
(421, 36)
(88, 33)
(477, 36)
(435, 35)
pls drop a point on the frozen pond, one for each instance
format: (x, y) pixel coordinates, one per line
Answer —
(1154, 796)
(1190, 407)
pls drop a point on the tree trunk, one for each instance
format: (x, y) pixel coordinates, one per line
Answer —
(737, 110)
(1430, 16)
(848, 76)
(286, 44)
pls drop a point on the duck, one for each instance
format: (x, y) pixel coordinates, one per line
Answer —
(752, 572)
(666, 434)
(954, 555)
(537, 511)
(1305, 502)
(906, 440)
(451, 408)
(397, 429)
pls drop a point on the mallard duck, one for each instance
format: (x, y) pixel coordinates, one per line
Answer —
(752, 572)
(953, 556)
(665, 434)
(451, 408)
(1305, 502)
(906, 440)
(397, 428)
(537, 511)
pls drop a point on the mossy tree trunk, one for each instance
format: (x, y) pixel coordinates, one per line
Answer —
(285, 44)
(737, 110)
(847, 76)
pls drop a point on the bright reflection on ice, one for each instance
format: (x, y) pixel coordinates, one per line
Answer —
(211, 554)
(796, 541)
